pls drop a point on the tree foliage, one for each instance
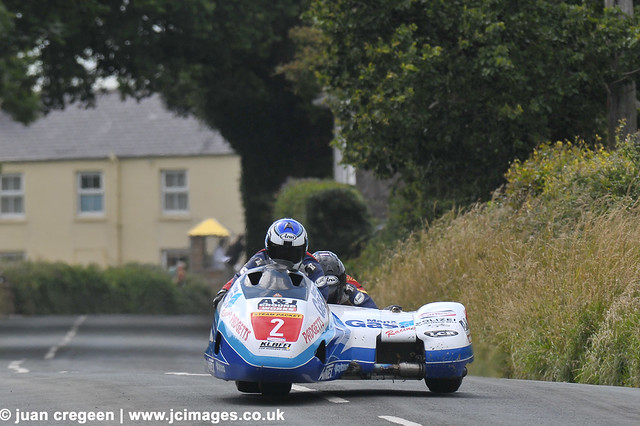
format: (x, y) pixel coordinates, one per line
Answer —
(335, 215)
(214, 59)
(446, 93)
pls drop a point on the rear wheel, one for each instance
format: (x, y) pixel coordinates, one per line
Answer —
(248, 387)
(447, 385)
(275, 389)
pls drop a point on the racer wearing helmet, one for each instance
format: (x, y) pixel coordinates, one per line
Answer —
(285, 242)
(343, 288)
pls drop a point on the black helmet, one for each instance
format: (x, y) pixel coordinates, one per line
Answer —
(286, 240)
(336, 275)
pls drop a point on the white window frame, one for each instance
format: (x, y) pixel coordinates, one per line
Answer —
(12, 256)
(174, 191)
(91, 192)
(12, 194)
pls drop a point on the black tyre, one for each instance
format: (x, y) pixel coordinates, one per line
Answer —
(448, 385)
(248, 387)
(275, 389)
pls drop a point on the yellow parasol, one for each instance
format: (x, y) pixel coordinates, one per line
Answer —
(209, 227)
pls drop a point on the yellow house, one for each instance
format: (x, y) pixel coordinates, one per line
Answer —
(121, 182)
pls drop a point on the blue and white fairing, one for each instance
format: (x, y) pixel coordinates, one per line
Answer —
(274, 326)
(379, 338)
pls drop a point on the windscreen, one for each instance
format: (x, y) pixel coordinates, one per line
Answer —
(274, 281)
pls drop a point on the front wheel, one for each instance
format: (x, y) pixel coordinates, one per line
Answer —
(275, 389)
(248, 387)
(448, 385)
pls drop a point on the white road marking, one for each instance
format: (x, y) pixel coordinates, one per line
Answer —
(334, 399)
(183, 373)
(15, 366)
(67, 338)
(399, 421)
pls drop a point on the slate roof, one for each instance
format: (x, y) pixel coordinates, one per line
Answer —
(112, 127)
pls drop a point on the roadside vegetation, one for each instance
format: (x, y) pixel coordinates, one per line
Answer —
(43, 288)
(549, 270)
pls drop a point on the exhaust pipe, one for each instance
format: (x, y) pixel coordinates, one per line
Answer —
(403, 370)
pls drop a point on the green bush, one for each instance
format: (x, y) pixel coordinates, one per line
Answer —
(55, 288)
(41, 288)
(335, 215)
(574, 175)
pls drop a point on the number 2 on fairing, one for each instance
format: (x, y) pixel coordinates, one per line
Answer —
(278, 323)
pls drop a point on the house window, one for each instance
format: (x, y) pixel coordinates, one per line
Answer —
(11, 195)
(12, 256)
(175, 191)
(90, 193)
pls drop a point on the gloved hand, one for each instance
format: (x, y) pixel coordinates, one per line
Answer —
(393, 308)
(355, 297)
(218, 298)
(350, 289)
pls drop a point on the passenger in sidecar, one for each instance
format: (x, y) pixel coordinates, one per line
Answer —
(343, 288)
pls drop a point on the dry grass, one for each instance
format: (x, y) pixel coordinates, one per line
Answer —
(544, 301)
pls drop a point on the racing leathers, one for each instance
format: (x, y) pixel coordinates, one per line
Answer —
(309, 266)
(355, 295)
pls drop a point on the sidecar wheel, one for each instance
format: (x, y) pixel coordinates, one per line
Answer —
(248, 387)
(448, 385)
(275, 389)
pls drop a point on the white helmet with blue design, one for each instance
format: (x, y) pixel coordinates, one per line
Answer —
(286, 240)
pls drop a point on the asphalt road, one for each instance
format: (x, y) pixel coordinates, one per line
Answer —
(110, 370)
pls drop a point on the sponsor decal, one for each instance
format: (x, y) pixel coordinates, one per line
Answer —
(219, 367)
(441, 333)
(358, 299)
(239, 327)
(356, 323)
(233, 299)
(278, 305)
(376, 323)
(332, 370)
(331, 280)
(437, 320)
(232, 296)
(321, 282)
(398, 331)
(275, 346)
(319, 303)
(447, 313)
(465, 325)
(276, 326)
(314, 329)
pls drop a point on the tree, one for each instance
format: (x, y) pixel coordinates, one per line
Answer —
(16, 84)
(213, 59)
(622, 98)
(446, 93)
